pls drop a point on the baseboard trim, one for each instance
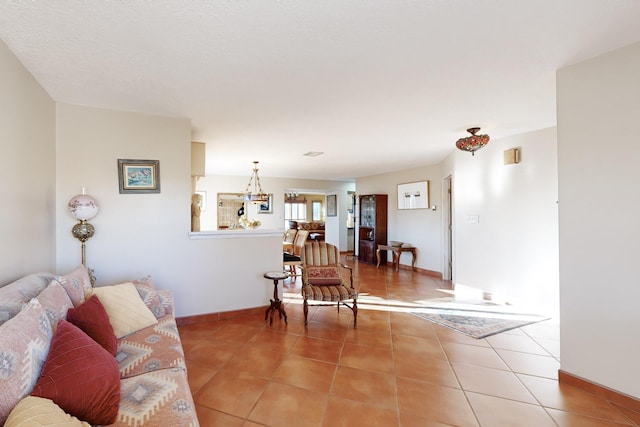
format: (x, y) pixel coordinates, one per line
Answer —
(418, 270)
(424, 271)
(214, 317)
(433, 273)
(602, 392)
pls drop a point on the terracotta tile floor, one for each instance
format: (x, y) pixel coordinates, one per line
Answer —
(394, 370)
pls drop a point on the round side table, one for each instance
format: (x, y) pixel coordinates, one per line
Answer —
(276, 304)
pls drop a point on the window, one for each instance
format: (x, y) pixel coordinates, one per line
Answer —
(316, 208)
(294, 211)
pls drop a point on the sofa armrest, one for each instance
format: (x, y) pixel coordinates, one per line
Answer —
(166, 299)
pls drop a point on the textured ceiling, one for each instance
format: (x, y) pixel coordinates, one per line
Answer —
(377, 85)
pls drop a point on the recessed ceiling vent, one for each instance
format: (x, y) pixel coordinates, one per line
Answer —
(314, 153)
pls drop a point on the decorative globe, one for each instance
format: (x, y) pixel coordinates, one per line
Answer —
(83, 207)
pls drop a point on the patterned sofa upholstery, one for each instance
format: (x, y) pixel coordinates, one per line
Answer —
(153, 380)
(316, 229)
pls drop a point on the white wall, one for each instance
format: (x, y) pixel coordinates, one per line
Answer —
(140, 234)
(420, 227)
(131, 229)
(512, 252)
(336, 227)
(27, 172)
(599, 154)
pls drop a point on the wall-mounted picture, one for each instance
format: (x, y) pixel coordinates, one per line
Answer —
(332, 205)
(266, 207)
(413, 195)
(138, 176)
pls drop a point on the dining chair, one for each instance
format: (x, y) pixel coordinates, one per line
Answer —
(292, 260)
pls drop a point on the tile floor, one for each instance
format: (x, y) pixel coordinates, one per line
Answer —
(394, 370)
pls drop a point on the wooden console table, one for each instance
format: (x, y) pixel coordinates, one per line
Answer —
(395, 254)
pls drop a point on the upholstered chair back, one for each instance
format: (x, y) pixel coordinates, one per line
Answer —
(320, 253)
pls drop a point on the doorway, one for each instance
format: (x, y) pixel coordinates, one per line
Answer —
(447, 220)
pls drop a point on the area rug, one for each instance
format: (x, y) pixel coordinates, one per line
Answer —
(478, 324)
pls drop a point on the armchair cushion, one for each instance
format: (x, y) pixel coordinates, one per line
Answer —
(287, 257)
(323, 275)
(328, 293)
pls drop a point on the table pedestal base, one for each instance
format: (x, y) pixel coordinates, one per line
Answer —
(276, 304)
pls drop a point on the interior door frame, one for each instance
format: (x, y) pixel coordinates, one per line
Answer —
(447, 228)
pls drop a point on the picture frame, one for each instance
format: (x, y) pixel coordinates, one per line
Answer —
(414, 195)
(266, 207)
(138, 176)
(332, 205)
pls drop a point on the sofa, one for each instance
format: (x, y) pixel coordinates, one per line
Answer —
(71, 354)
(316, 229)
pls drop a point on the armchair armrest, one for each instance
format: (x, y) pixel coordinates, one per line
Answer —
(348, 267)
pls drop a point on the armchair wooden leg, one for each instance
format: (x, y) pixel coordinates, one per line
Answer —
(355, 314)
(306, 311)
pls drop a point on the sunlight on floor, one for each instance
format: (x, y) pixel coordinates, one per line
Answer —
(367, 301)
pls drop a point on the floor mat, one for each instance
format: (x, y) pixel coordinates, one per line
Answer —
(478, 324)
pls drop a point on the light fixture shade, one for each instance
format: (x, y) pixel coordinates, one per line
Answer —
(474, 142)
(257, 195)
(83, 207)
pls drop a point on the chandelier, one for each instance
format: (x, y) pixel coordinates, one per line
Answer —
(294, 198)
(257, 195)
(474, 142)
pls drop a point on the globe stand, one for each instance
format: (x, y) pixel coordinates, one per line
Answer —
(83, 231)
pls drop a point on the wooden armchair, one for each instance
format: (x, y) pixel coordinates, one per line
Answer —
(289, 236)
(292, 259)
(288, 239)
(322, 279)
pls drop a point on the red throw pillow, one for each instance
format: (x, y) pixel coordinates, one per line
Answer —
(80, 376)
(323, 275)
(93, 319)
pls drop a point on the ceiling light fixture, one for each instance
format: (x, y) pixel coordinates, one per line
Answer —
(474, 142)
(257, 195)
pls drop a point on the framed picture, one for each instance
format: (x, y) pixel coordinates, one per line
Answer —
(266, 207)
(332, 205)
(139, 176)
(413, 195)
